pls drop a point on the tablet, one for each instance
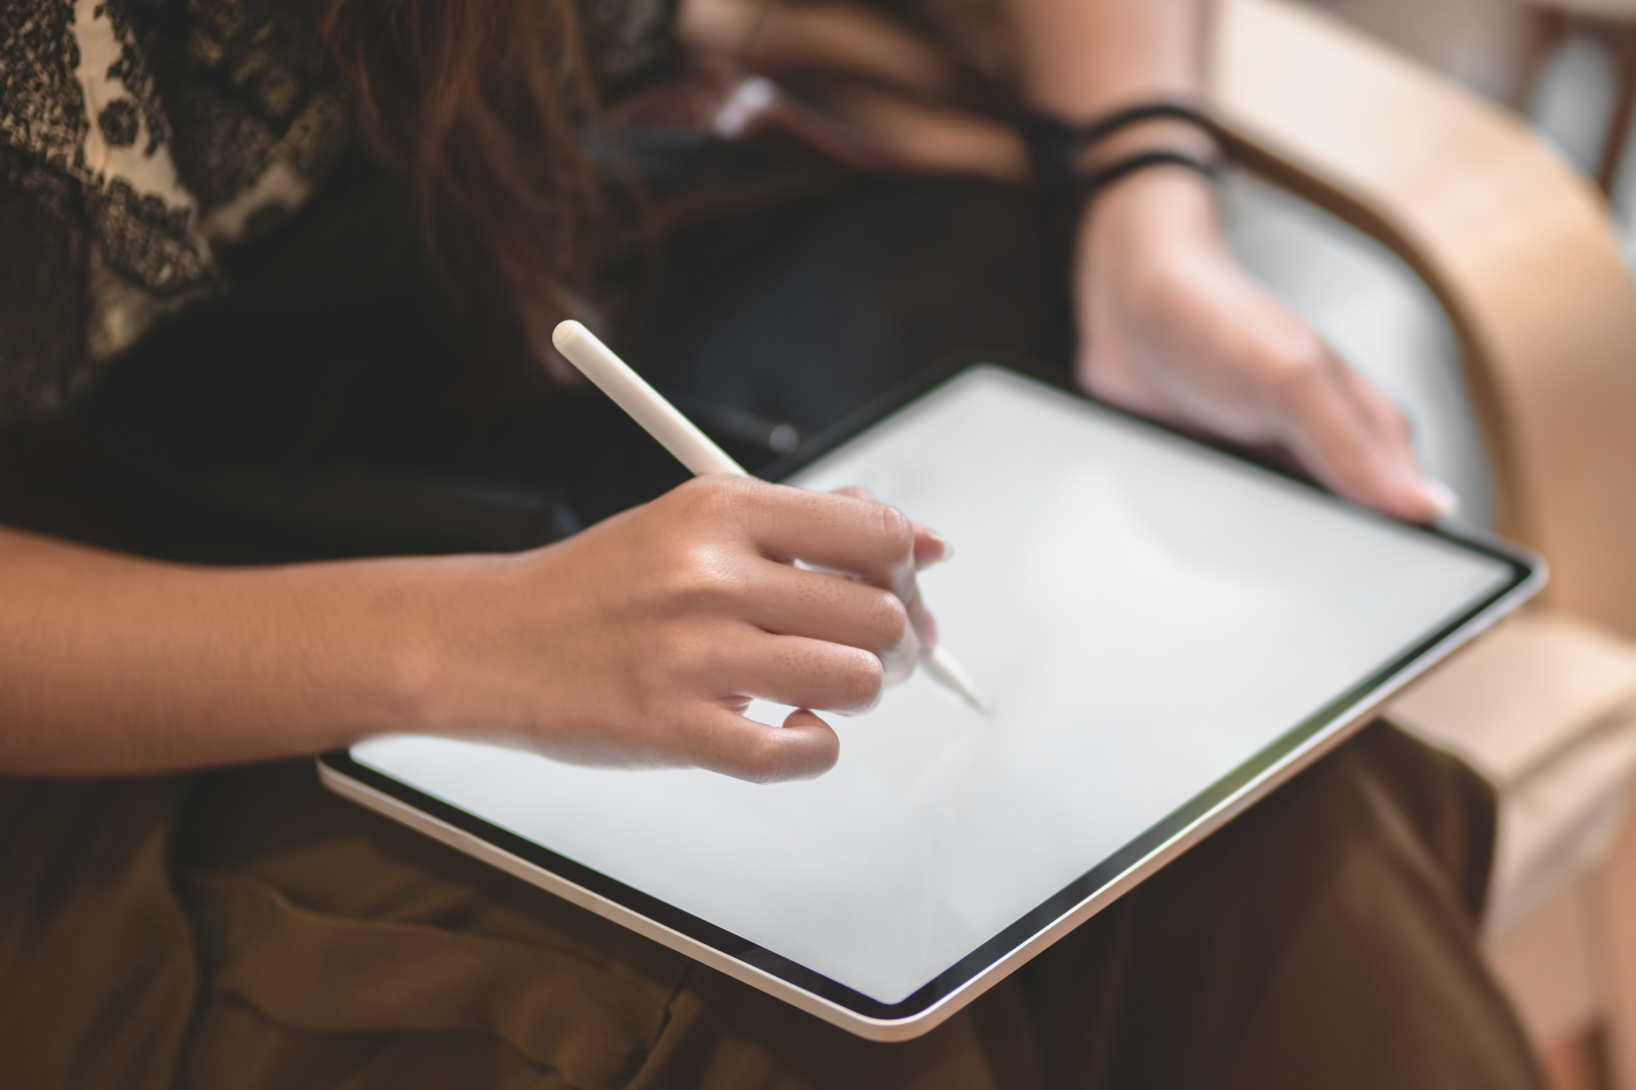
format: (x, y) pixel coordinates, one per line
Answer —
(1165, 633)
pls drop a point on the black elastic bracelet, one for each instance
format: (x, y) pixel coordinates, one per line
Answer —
(1055, 147)
(1089, 186)
(1098, 131)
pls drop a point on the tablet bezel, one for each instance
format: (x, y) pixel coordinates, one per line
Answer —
(1039, 928)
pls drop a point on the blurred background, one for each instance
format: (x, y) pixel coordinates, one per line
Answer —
(1447, 130)
(1561, 63)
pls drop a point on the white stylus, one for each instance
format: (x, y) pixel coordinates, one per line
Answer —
(694, 449)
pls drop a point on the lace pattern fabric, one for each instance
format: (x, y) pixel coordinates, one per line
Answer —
(135, 135)
(139, 137)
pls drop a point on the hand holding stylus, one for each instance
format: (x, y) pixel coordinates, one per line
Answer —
(701, 456)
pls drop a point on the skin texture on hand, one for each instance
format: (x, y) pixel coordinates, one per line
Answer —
(641, 641)
(1172, 328)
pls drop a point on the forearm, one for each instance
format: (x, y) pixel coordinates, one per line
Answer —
(1083, 58)
(113, 665)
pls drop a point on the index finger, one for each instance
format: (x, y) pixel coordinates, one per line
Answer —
(930, 546)
(848, 534)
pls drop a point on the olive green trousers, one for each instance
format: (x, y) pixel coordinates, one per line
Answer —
(245, 929)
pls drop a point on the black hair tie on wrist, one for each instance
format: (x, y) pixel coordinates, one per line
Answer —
(1089, 186)
(1055, 147)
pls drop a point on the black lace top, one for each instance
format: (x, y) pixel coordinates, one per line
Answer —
(139, 139)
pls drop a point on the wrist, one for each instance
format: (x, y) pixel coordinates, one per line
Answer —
(1138, 249)
(433, 672)
(1084, 156)
(1150, 217)
(384, 640)
(1155, 134)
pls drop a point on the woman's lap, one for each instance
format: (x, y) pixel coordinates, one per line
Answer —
(290, 938)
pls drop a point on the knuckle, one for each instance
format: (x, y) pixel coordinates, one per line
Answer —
(1293, 378)
(760, 759)
(1299, 362)
(702, 577)
(889, 621)
(695, 492)
(862, 680)
(897, 532)
(715, 495)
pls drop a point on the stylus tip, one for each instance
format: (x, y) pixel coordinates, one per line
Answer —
(948, 671)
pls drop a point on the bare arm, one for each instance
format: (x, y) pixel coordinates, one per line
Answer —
(1169, 325)
(1083, 58)
(638, 642)
(110, 664)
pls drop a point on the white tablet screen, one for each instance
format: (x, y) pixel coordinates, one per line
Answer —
(1145, 617)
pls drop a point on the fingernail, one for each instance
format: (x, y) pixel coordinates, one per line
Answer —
(1440, 495)
(948, 550)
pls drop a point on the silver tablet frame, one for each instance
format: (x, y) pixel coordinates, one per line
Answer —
(1344, 723)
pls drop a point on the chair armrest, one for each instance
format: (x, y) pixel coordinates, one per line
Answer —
(1518, 248)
